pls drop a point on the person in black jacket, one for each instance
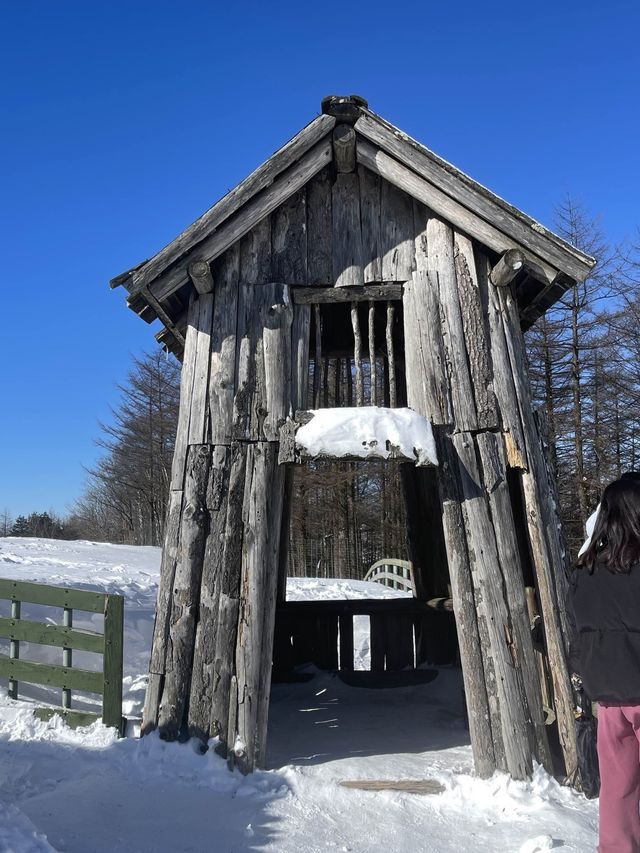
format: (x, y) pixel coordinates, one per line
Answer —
(604, 607)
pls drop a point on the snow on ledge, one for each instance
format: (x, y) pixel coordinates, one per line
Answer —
(368, 431)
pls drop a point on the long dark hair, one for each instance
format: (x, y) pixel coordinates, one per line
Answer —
(615, 541)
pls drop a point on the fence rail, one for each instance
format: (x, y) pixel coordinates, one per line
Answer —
(107, 683)
(396, 574)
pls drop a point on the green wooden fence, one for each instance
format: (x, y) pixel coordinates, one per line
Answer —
(107, 683)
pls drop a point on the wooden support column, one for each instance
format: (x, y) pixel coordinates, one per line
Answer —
(262, 521)
(544, 537)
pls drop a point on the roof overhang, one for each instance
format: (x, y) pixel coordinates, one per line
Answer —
(156, 287)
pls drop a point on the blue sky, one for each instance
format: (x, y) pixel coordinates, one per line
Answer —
(123, 121)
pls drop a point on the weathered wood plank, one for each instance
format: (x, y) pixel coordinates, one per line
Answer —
(186, 392)
(257, 208)
(391, 357)
(186, 592)
(443, 205)
(372, 352)
(289, 240)
(259, 180)
(346, 231)
(255, 253)
(202, 672)
(364, 293)
(319, 235)
(300, 330)
(357, 354)
(396, 233)
(198, 419)
(475, 332)
(370, 213)
(222, 371)
(441, 265)
(54, 676)
(51, 635)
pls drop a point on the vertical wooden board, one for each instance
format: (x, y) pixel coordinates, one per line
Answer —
(370, 218)
(518, 738)
(202, 673)
(284, 558)
(199, 408)
(441, 265)
(186, 390)
(475, 331)
(186, 592)
(113, 652)
(503, 383)
(397, 233)
(276, 342)
(426, 375)
(495, 481)
(229, 599)
(222, 375)
(262, 524)
(249, 332)
(255, 254)
(289, 240)
(319, 240)
(346, 231)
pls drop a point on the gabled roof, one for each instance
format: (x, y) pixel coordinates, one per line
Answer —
(552, 265)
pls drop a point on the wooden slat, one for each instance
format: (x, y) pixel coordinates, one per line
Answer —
(284, 186)
(51, 635)
(357, 357)
(319, 229)
(372, 353)
(482, 202)
(371, 225)
(258, 180)
(222, 374)
(198, 420)
(73, 719)
(113, 652)
(186, 392)
(55, 596)
(443, 205)
(347, 231)
(391, 358)
(289, 239)
(396, 234)
(363, 293)
(55, 676)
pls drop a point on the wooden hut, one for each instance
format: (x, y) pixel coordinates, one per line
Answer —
(355, 243)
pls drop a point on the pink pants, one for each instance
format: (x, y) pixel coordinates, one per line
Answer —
(619, 759)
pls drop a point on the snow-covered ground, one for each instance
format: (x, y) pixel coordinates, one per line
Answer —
(88, 792)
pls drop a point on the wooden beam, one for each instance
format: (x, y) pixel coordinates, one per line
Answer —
(507, 267)
(362, 293)
(344, 148)
(263, 177)
(444, 205)
(167, 281)
(200, 274)
(479, 200)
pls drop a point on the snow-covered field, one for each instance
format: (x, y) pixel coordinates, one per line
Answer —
(88, 792)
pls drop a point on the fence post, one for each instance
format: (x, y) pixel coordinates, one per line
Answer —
(113, 626)
(14, 650)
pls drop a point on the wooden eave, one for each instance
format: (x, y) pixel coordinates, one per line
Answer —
(159, 287)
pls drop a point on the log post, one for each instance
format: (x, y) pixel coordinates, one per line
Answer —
(507, 268)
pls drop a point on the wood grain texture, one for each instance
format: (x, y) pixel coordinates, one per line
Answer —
(319, 230)
(370, 217)
(347, 253)
(222, 372)
(396, 233)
